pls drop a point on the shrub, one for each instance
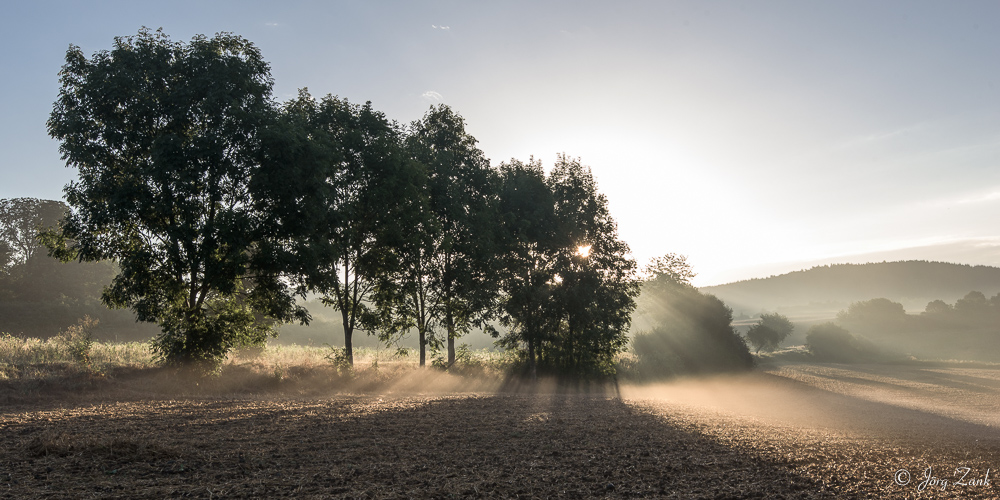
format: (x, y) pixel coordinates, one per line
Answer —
(77, 340)
(692, 334)
(829, 342)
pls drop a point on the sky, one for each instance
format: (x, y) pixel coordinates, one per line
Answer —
(756, 138)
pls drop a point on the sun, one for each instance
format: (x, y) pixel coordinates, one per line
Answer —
(583, 251)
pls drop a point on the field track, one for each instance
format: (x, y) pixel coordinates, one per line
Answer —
(793, 431)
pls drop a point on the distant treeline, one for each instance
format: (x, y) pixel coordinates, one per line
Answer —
(968, 329)
(40, 296)
(910, 282)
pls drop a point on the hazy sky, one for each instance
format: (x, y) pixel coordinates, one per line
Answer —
(754, 137)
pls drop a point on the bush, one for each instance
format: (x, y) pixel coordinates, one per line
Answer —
(77, 340)
(692, 334)
(203, 339)
(829, 342)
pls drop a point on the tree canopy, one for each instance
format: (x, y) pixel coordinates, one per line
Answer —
(354, 197)
(569, 282)
(769, 332)
(21, 220)
(447, 277)
(165, 137)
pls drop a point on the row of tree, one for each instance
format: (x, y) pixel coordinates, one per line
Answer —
(882, 316)
(221, 208)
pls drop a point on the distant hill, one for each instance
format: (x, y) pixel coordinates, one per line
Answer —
(824, 290)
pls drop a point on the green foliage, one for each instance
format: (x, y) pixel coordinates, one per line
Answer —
(446, 279)
(40, 295)
(529, 248)
(668, 270)
(938, 308)
(204, 337)
(769, 332)
(21, 220)
(596, 295)
(341, 360)
(570, 283)
(973, 304)
(352, 194)
(219, 208)
(166, 140)
(881, 312)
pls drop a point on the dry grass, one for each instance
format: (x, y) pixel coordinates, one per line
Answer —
(32, 369)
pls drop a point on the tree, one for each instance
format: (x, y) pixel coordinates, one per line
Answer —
(448, 277)
(357, 204)
(529, 248)
(596, 277)
(769, 332)
(938, 308)
(668, 270)
(972, 304)
(166, 140)
(568, 282)
(21, 221)
(874, 317)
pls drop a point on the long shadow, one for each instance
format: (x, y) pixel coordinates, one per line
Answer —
(553, 444)
(501, 446)
(783, 399)
(930, 376)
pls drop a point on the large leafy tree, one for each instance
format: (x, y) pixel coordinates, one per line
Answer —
(569, 284)
(447, 279)
(597, 275)
(530, 245)
(355, 200)
(166, 139)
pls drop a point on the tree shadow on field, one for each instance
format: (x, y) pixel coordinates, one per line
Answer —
(498, 446)
(941, 374)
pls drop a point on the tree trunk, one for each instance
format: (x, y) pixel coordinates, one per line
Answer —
(348, 333)
(451, 339)
(531, 359)
(451, 350)
(423, 346)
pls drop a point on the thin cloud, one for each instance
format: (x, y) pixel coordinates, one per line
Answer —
(432, 96)
(886, 135)
(985, 198)
(272, 24)
(960, 199)
(446, 28)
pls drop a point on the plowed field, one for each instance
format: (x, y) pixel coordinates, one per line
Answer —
(793, 431)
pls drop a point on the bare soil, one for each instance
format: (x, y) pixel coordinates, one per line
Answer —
(792, 431)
